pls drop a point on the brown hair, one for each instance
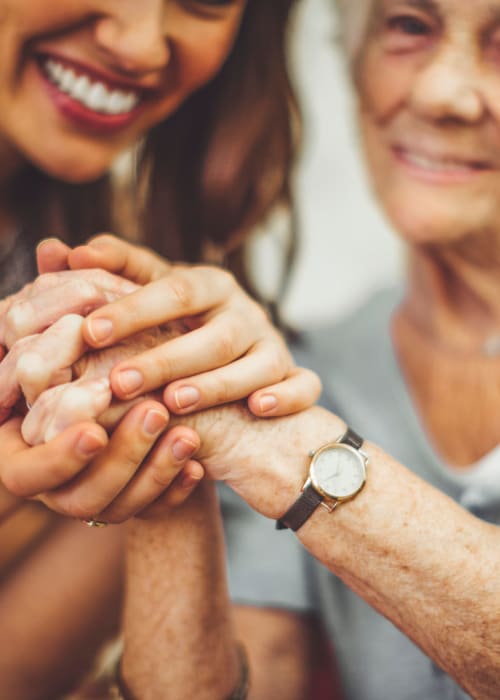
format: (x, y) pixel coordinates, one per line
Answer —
(213, 169)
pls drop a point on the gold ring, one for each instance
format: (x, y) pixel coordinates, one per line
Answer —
(95, 523)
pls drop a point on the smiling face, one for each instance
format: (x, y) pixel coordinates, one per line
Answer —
(429, 85)
(81, 80)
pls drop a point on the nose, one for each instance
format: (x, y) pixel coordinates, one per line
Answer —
(133, 36)
(449, 87)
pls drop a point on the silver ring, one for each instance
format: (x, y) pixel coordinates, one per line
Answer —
(95, 523)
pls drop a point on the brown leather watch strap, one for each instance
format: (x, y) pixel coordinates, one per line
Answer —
(309, 499)
(352, 438)
(301, 510)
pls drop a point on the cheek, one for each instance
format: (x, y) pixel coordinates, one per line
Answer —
(30, 19)
(383, 82)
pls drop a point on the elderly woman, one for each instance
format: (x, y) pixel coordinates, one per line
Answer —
(406, 581)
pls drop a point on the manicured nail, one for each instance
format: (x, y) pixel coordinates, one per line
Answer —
(154, 421)
(89, 444)
(100, 329)
(130, 380)
(267, 402)
(186, 396)
(183, 449)
(189, 481)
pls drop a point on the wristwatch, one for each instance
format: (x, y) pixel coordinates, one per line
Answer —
(337, 473)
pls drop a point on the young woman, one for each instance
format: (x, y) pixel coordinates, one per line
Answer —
(92, 80)
(208, 117)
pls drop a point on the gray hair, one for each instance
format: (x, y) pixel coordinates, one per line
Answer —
(353, 19)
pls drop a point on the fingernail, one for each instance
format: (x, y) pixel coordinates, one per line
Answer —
(154, 421)
(267, 402)
(130, 380)
(186, 396)
(188, 481)
(100, 329)
(89, 444)
(183, 449)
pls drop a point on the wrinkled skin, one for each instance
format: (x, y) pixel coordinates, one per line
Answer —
(88, 396)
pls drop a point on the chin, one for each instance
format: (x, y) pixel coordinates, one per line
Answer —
(426, 225)
(72, 168)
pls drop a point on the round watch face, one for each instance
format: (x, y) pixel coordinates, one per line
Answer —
(338, 471)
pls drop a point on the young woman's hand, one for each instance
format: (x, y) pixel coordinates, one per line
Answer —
(231, 352)
(142, 460)
(82, 473)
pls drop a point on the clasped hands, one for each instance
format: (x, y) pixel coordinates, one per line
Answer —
(104, 346)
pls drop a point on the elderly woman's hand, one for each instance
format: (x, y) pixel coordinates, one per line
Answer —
(51, 296)
(231, 352)
(86, 394)
(142, 461)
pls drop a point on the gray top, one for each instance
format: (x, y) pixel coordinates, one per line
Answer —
(358, 367)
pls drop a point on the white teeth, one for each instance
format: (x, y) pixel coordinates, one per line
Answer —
(93, 95)
(58, 71)
(80, 88)
(68, 79)
(97, 98)
(436, 165)
(117, 102)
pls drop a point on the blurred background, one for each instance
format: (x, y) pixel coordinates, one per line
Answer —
(346, 248)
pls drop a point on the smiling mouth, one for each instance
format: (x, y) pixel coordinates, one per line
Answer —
(441, 164)
(94, 95)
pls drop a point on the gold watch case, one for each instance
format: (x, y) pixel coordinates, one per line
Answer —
(338, 471)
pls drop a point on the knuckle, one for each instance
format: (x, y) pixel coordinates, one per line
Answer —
(86, 290)
(161, 473)
(44, 282)
(16, 321)
(221, 392)
(182, 291)
(104, 239)
(226, 345)
(74, 505)
(161, 367)
(20, 347)
(277, 365)
(130, 461)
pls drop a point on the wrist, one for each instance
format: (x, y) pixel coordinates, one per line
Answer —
(275, 465)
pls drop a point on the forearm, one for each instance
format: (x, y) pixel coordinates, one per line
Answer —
(179, 636)
(423, 562)
(408, 550)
